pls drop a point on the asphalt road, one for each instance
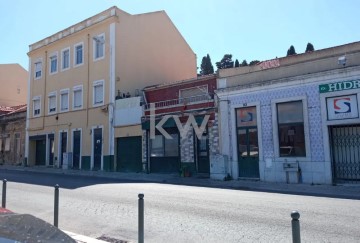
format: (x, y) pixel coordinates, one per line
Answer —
(173, 213)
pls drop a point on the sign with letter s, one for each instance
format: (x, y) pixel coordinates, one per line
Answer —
(343, 107)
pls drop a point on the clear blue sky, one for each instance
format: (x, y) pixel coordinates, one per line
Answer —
(251, 30)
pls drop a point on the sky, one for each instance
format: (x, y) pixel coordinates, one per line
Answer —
(251, 30)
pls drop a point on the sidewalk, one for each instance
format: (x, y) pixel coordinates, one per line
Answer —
(346, 191)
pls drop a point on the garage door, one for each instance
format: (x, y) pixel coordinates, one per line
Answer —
(129, 151)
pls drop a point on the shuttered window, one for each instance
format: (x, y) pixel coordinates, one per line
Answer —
(36, 106)
(7, 144)
(38, 68)
(98, 92)
(64, 101)
(52, 103)
(78, 98)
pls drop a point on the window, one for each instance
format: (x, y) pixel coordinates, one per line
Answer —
(99, 46)
(162, 147)
(7, 143)
(52, 102)
(36, 106)
(98, 96)
(290, 119)
(195, 94)
(38, 69)
(65, 59)
(78, 54)
(53, 63)
(77, 97)
(64, 100)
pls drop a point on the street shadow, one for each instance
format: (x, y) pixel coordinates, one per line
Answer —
(63, 180)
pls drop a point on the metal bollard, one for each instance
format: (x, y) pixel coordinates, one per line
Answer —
(141, 218)
(295, 226)
(56, 206)
(3, 202)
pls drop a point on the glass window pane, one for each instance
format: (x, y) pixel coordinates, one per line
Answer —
(290, 112)
(246, 116)
(292, 140)
(157, 146)
(172, 145)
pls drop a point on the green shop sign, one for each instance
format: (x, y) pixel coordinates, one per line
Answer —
(339, 86)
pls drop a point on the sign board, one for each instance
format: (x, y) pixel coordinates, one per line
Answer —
(339, 86)
(342, 107)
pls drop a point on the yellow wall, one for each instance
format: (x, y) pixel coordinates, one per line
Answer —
(145, 49)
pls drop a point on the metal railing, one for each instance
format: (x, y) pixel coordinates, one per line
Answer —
(181, 101)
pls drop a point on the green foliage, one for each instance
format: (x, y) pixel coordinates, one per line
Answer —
(309, 47)
(206, 66)
(226, 62)
(244, 63)
(291, 51)
(254, 62)
(237, 64)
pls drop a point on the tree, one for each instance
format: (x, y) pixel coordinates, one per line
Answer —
(244, 63)
(309, 47)
(291, 51)
(206, 66)
(226, 62)
(254, 62)
(237, 64)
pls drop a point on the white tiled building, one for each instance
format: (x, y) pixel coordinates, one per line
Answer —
(293, 119)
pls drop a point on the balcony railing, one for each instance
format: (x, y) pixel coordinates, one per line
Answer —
(181, 101)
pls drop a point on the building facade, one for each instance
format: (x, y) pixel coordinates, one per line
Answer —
(73, 118)
(170, 143)
(13, 81)
(12, 135)
(293, 119)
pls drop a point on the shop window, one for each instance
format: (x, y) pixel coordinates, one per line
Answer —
(290, 120)
(162, 147)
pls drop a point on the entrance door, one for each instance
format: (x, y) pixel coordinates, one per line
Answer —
(40, 155)
(51, 149)
(248, 152)
(76, 149)
(129, 152)
(202, 153)
(345, 149)
(63, 145)
(97, 141)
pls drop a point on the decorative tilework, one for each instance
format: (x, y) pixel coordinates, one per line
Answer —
(314, 115)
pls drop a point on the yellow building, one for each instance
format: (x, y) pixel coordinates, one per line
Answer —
(73, 119)
(13, 85)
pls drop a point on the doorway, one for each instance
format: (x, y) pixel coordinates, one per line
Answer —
(76, 149)
(97, 148)
(202, 153)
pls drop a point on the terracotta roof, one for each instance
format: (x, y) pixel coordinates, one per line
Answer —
(12, 109)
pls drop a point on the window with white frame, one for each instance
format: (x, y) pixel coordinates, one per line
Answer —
(65, 59)
(36, 106)
(98, 92)
(290, 119)
(99, 46)
(78, 54)
(77, 97)
(38, 69)
(7, 143)
(52, 102)
(64, 100)
(53, 63)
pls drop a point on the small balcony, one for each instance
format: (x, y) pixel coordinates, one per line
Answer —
(181, 102)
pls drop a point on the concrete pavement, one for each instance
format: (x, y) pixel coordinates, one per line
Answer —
(338, 191)
(346, 191)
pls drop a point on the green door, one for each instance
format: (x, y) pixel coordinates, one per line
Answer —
(248, 152)
(40, 155)
(129, 152)
(203, 154)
